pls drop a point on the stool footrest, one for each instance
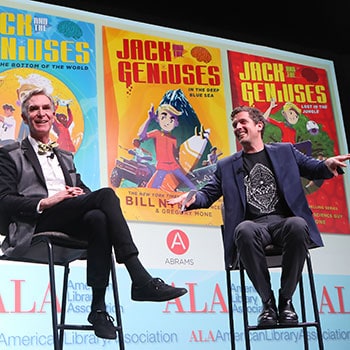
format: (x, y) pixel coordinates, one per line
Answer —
(80, 327)
(296, 325)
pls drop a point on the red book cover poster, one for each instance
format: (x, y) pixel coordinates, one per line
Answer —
(297, 104)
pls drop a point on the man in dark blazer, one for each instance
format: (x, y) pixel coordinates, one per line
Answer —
(40, 190)
(264, 202)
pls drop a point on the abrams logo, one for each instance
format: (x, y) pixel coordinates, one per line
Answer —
(177, 261)
(178, 243)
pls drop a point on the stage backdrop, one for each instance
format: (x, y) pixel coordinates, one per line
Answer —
(107, 76)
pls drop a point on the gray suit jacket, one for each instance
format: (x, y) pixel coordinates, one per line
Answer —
(22, 186)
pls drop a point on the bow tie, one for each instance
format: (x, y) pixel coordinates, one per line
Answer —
(43, 148)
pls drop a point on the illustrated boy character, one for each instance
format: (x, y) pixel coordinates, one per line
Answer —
(61, 128)
(7, 124)
(140, 155)
(213, 156)
(291, 114)
(166, 149)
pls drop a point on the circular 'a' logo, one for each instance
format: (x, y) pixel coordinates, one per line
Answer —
(178, 242)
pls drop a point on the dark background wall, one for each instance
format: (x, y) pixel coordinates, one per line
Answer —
(319, 29)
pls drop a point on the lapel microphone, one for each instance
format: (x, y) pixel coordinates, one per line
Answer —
(52, 156)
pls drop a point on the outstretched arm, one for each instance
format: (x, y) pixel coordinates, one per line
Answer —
(335, 164)
(142, 134)
(273, 104)
(70, 116)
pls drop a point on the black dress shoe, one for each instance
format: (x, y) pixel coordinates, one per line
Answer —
(156, 290)
(268, 316)
(286, 312)
(103, 325)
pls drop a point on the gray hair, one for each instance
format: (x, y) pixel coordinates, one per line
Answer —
(34, 92)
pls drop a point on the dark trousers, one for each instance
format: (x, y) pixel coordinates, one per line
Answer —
(289, 233)
(97, 218)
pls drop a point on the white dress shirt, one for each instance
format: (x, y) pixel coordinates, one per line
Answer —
(52, 171)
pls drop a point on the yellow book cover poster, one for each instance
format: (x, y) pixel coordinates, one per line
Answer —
(165, 121)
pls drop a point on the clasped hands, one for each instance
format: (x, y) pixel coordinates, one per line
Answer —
(68, 192)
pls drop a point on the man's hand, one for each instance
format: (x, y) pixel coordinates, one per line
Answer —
(334, 163)
(68, 192)
(185, 200)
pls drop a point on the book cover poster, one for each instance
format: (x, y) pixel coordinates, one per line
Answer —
(166, 123)
(297, 104)
(40, 50)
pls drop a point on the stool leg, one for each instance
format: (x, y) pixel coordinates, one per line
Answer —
(230, 308)
(303, 312)
(53, 295)
(117, 304)
(245, 308)
(64, 303)
(314, 302)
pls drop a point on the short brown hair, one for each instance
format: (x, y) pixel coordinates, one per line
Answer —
(255, 114)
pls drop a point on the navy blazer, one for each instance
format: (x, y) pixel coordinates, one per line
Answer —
(289, 165)
(22, 186)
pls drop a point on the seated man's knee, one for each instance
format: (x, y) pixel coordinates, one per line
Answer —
(245, 232)
(108, 191)
(95, 217)
(298, 228)
(107, 194)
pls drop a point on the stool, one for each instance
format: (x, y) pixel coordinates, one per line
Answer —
(274, 259)
(57, 248)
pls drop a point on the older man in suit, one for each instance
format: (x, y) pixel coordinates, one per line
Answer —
(264, 203)
(40, 190)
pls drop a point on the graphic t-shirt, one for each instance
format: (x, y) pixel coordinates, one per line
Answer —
(262, 193)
